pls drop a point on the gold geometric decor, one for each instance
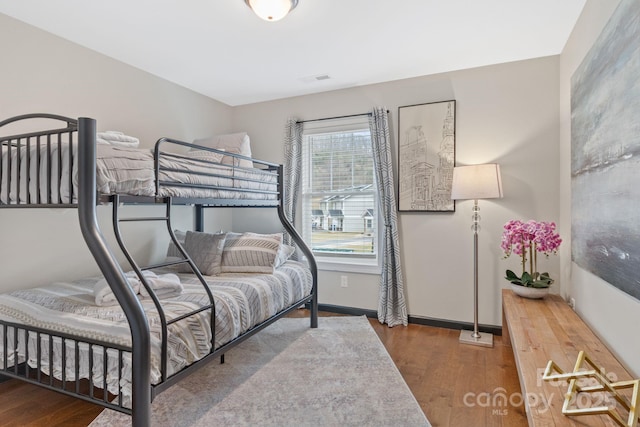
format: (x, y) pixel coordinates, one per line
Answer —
(584, 381)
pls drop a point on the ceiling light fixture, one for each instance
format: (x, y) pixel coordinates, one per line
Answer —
(271, 10)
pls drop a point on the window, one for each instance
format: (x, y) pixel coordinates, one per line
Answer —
(339, 195)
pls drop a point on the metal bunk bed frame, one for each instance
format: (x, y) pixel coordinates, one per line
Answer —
(143, 392)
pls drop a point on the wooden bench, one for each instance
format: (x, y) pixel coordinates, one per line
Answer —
(548, 329)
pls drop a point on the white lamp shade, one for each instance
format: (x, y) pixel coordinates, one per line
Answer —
(271, 10)
(476, 182)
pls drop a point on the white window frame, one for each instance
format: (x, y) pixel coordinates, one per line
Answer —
(342, 263)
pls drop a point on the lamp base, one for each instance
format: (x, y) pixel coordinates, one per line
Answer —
(485, 339)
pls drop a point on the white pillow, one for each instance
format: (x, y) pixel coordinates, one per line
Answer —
(235, 143)
(209, 156)
(284, 254)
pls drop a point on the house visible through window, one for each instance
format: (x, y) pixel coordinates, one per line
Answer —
(339, 196)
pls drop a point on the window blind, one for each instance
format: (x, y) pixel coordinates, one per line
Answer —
(339, 191)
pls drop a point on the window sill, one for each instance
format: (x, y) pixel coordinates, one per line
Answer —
(347, 266)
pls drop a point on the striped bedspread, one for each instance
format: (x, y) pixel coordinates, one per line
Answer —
(241, 300)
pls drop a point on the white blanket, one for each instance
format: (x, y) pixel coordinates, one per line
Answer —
(164, 286)
(120, 169)
(112, 137)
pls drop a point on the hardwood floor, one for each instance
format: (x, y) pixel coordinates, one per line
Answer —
(455, 384)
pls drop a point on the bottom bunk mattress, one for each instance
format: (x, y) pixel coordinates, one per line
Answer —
(242, 301)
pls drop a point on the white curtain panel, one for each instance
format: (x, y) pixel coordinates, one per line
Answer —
(392, 308)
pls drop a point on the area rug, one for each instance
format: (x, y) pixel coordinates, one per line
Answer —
(291, 375)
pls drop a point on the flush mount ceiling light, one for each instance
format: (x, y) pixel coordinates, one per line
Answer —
(271, 10)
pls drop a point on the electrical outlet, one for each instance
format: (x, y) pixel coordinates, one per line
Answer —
(344, 281)
(572, 303)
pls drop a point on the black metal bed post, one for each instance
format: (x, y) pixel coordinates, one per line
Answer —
(140, 335)
(302, 245)
(199, 218)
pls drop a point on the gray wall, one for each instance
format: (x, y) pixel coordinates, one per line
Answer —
(505, 113)
(44, 73)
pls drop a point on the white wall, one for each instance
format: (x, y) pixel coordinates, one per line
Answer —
(44, 73)
(611, 313)
(505, 113)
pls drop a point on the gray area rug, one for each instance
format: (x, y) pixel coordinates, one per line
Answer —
(291, 375)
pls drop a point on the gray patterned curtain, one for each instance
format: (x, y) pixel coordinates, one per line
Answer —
(292, 170)
(392, 308)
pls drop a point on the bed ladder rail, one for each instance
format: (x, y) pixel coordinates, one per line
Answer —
(110, 268)
(299, 241)
(115, 199)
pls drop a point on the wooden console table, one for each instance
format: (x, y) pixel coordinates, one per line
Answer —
(548, 329)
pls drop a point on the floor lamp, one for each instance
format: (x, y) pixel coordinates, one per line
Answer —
(473, 183)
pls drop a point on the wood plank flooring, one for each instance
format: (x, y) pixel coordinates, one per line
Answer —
(455, 384)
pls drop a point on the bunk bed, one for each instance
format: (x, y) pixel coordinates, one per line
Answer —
(131, 352)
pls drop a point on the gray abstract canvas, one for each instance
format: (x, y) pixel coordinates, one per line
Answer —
(605, 153)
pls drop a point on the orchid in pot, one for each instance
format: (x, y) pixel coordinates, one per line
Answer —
(527, 240)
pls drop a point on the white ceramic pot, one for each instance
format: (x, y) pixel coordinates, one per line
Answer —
(527, 292)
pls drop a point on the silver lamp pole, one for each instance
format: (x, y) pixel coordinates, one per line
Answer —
(476, 182)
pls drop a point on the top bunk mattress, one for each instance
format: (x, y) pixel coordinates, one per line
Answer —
(47, 173)
(242, 301)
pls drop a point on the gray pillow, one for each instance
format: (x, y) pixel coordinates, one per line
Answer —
(172, 250)
(205, 249)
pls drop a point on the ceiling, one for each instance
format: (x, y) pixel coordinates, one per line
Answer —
(221, 49)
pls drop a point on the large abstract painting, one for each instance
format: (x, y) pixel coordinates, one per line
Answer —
(605, 153)
(426, 155)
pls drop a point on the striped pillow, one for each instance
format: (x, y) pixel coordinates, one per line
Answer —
(250, 252)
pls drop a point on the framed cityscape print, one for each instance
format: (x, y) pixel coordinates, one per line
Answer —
(426, 156)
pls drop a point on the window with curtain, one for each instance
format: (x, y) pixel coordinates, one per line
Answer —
(339, 195)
